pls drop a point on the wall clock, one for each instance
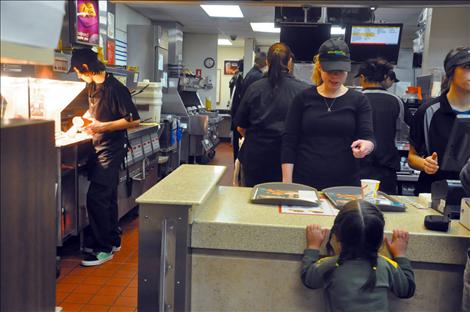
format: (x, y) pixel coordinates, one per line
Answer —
(209, 62)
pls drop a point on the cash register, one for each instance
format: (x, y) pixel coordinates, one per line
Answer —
(447, 194)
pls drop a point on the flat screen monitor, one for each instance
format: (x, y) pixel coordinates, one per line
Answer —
(368, 41)
(304, 40)
(458, 147)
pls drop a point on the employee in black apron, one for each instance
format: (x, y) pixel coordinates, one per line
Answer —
(432, 123)
(388, 117)
(261, 116)
(112, 112)
(328, 126)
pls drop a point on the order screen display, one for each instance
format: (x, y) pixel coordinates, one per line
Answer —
(380, 35)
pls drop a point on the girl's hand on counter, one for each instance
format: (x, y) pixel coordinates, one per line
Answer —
(362, 148)
(399, 243)
(315, 236)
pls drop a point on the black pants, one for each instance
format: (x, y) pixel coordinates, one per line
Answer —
(103, 216)
(235, 138)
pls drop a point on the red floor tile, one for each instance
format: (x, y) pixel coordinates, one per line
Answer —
(103, 300)
(71, 307)
(116, 281)
(129, 292)
(94, 308)
(78, 298)
(122, 309)
(60, 296)
(64, 287)
(126, 301)
(87, 289)
(111, 290)
(95, 280)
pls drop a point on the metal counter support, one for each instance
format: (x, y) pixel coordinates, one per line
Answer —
(164, 258)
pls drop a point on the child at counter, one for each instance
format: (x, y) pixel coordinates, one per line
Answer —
(358, 279)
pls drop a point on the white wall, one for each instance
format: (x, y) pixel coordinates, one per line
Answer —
(225, 53)
(196, 47)
(126, 16)
(449, 28)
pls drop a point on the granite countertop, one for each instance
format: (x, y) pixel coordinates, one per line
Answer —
(228, 221)
(187, 185)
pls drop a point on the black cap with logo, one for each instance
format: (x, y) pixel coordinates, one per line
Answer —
(82, 56)
(334, 55)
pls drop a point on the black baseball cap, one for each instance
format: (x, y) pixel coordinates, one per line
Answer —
(456, 58)
(82, 56)
(334, 55)
(391, 74)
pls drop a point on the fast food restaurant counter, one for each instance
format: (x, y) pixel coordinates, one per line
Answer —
(230, 254)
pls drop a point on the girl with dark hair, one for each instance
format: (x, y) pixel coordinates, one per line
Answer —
(432, 123)
(260, 118)
(358, 279)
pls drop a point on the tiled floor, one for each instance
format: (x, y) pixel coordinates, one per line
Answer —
(113, 285)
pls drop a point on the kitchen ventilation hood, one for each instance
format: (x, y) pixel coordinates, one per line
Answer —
(30, 31)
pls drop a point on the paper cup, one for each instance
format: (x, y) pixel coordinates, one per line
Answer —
(369, 188)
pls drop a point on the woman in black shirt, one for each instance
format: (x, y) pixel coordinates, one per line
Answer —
(261, 115)
(328, 126)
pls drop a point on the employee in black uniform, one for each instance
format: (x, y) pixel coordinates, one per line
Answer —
(432, 123)
(236, 90)
(328, 126)
(260, 118)
(112, 112)
(387, 115)
(256, 72)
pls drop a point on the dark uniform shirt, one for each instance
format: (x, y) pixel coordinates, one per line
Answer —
(262, 113)
(388, 118)
(253, 75)
(318, 142)
(109, 101)
(429, 132)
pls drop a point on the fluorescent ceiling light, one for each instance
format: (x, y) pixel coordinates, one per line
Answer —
(222, 10)
(337, 30)
(265, 27)
(224, 42)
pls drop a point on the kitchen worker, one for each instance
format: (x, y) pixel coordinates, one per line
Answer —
(112, 112)
(432, 123)
(328, 126)
(261, 118)
(388, 117)
(236, 90)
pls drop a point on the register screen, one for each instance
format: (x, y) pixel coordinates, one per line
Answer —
(380, 35)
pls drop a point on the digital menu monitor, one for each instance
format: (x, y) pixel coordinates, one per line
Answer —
(368, 41)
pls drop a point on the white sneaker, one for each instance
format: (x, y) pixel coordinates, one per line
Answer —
(116, 248)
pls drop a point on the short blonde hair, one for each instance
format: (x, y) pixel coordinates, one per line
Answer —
(316, 73)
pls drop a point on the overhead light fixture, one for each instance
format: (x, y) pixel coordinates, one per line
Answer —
(337, 30)
(222, 10)
(225, 42)
(372, 8)
(265, 27)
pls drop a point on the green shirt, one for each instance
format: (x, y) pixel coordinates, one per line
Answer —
(342, 283)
